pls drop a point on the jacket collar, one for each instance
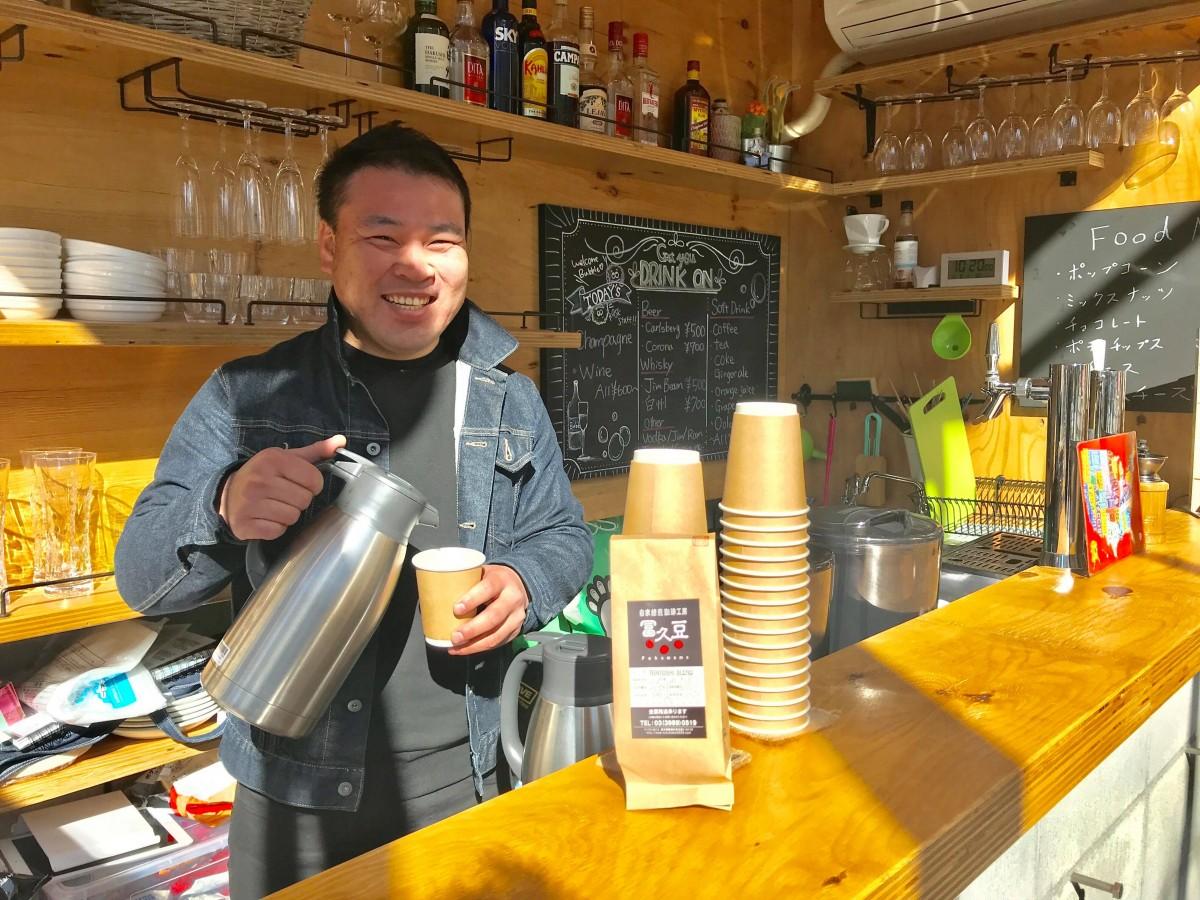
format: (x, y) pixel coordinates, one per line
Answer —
(486, 345)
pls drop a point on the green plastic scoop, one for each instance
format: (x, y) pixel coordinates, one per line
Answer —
(951, 337)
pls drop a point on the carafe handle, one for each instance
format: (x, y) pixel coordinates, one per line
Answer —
(510, 695)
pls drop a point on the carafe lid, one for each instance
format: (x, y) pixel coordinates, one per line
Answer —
(577, 670)
(389, 502)
(841, 527)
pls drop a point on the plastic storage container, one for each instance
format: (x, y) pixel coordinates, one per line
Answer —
(886, 568)
(167, 873)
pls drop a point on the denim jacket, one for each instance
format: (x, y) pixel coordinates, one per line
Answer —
(514, 504)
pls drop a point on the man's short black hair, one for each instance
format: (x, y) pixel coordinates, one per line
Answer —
(390, 146)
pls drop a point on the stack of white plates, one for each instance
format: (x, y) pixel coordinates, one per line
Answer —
(111, 272)
(194, 709)
(31, 269)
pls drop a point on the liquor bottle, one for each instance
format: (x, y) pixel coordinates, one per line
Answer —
(574, 431)
(593, 95)
(692, 112)
(504, 59)
(645, 93)
(468, 59)
(619, 85)
(534, 62)
(904, 251)
(563, 53)
(427, 46)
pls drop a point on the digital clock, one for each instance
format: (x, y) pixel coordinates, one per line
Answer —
(975, 267)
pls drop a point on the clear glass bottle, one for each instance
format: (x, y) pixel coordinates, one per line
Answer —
(504, 62)
(726, 132)
(647, 116)
(904, 251)
(427, 46)
(619, 85)
(534, 62)
(468, 59)
(693, 110)
(593, 94)
(563, 57)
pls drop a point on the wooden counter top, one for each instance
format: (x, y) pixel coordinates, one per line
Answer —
(951, 735)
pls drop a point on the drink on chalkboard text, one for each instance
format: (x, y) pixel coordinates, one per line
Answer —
(427, 46)
(574, 429)
(693, 109)
(904, 251)
(620, 86)
(534, 62)
(504, 59)
(468, 59)
(593, 95)
(563, 51)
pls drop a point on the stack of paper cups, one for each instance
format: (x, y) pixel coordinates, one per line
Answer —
(764, 573)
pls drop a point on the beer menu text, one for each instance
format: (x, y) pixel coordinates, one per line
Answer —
(679, 323)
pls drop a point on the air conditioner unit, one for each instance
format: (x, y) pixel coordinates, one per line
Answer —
(880, 30)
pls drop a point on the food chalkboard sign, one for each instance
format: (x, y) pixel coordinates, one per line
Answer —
(1130, 276)
(679, 323)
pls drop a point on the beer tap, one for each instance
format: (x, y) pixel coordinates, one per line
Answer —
(1034, 389)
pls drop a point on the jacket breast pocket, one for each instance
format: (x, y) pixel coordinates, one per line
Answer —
(514, 467)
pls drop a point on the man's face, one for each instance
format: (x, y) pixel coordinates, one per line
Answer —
(398, 259)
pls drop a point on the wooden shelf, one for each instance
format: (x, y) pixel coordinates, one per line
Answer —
(1175, 26)
(930, 295)
(33, 614)
(105, 47)
(69, 333)
(1084, 159)
(112, 758)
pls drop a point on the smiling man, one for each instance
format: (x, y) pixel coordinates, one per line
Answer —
(408, 373)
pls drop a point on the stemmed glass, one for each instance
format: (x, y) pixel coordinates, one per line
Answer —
(1012, 137)
(324, 123)
(347, 20)
(1104, 118)
(382, 20)
(1069, 119)
(1179, 99)
(224, 207)
(889, 152)
(1139, 125)
(1044, 138)
(253, 188)
(981, 136)
(187, 218)
(956, 151)
(290, 203)
(918, 146)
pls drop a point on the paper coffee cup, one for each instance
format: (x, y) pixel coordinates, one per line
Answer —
(737, 518)
(742, 622)
(752, 658)
(444, 574)
(802, 690)
(765, 530)
(771, 732)
(783, 603)
(770, 676)
(740, 555)
(767, 646)
(665, 493)
(769, 714)
(765, 467)
(764, 584)
(750, 569)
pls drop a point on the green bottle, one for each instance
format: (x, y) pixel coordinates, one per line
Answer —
(427, 49)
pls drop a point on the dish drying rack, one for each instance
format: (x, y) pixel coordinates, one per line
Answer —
(1000, 504)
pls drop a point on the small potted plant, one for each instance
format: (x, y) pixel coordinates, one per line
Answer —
(775, 98)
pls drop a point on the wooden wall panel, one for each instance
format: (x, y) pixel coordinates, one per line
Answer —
(76, 164)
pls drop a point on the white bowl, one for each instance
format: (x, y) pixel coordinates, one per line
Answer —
(130, 306)
(126, 286)
(27, 312)
(29, 234)
(30, 264)
(12, 284)
(104, 315)
(111, 268)
(92, 250)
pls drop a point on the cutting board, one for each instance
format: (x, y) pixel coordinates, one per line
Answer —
(941, 437)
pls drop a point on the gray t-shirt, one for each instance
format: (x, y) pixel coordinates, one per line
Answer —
(418, 732)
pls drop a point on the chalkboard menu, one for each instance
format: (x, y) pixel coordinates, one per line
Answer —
(1130, 276)
(679, 323)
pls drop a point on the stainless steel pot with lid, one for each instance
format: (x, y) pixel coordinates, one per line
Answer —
(886, 568)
